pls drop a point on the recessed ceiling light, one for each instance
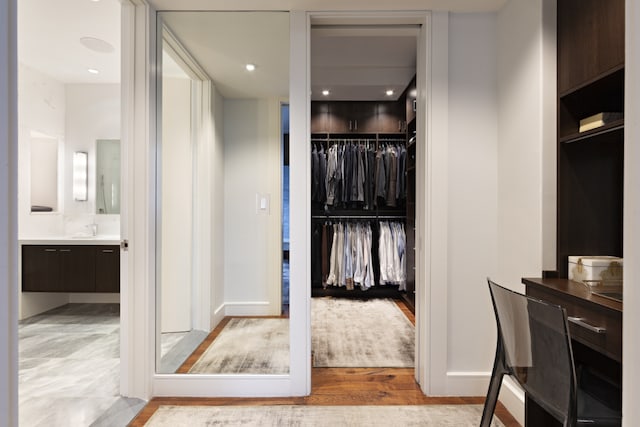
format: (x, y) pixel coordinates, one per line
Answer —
(325, 92)
(96, 45)
(93, 71)
(389, 92)
(250, 67)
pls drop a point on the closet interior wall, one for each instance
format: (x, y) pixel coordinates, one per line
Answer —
(370, 132)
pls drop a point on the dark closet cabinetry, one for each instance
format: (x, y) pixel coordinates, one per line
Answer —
(70, 268)
(590, 163)
(342, 117)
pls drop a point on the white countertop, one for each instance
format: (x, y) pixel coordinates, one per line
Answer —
(71, 240)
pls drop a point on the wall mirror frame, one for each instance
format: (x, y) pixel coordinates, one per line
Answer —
(217, 201)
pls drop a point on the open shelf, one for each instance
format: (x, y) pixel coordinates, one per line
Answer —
(615, 126)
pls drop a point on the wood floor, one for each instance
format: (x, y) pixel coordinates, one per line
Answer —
(340, 386)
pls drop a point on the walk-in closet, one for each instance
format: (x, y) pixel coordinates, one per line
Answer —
(363, 149)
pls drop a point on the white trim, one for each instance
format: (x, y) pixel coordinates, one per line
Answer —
(8, 214)
(247, 308)
(137, 222)
(432, 210)
(230, 385)
(512, 397)
(299, 205)
(467, 383)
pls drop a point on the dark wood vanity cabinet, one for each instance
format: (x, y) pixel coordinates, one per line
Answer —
(40, 269)
(107, 269)
(70, 268)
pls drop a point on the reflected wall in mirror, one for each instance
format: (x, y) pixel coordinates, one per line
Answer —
(44, 173)
(108, 176)
(219, 186)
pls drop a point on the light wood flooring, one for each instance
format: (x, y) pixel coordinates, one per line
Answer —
(335, 386)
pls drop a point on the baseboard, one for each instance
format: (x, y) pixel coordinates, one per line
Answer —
(512, 397)
(218, 315)
(467, 383)
(477, 383)
(95, 298)
(249, 308)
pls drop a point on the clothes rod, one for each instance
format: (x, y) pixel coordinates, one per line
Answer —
(371, 217)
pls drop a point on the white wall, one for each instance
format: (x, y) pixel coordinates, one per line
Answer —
(473, 181)
(520, 95)
(631, 318)
(252, 237)
(176, 195)
(8, 218)
(526, 150)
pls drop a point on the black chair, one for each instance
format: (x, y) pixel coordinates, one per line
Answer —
(534, 348)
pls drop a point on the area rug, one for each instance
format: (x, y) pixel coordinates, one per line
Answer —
(248, 346)
(288, 415)
(348, 333)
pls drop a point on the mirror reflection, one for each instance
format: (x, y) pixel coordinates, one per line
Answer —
(225, 78)
(108, 176)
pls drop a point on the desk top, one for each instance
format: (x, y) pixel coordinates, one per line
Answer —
(573, 289)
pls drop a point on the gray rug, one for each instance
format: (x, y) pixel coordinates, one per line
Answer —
(329, 416)
(353, 333)
(248, 346)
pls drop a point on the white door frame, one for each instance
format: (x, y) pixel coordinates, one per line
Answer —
(137, 295)
(431, 185)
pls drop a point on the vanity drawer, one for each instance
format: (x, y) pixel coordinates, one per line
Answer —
(590, 323)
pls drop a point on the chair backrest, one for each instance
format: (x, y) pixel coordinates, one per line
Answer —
(537, 349)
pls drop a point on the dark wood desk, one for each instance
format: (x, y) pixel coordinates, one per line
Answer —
(596, 332)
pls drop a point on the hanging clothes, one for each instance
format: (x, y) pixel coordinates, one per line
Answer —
(391, 253)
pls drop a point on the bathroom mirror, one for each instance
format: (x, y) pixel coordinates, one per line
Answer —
(44, 167)
(107, 176)
(219, 193)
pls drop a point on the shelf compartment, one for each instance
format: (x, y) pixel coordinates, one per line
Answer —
(603, 95)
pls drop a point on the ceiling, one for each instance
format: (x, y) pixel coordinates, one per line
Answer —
(358, 62)
(362, 62)
(49, 34)
(222, 43)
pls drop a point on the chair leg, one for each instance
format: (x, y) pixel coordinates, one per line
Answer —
(492, 398)
(497, 374)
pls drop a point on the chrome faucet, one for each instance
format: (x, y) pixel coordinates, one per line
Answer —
(94, 228)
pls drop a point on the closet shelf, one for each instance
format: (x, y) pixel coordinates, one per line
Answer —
(614, 126)
(611, 77)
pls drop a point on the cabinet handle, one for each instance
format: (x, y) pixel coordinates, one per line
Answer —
(65, 250)
(355, 124)
(349, 124)
(580, 321)
(107, 251)
(50, 250)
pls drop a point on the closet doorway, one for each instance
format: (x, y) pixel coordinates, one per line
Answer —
(363, 135)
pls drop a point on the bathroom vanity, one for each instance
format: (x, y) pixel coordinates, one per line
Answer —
(76, 265)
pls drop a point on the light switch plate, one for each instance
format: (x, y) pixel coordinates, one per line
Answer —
(263, 202)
